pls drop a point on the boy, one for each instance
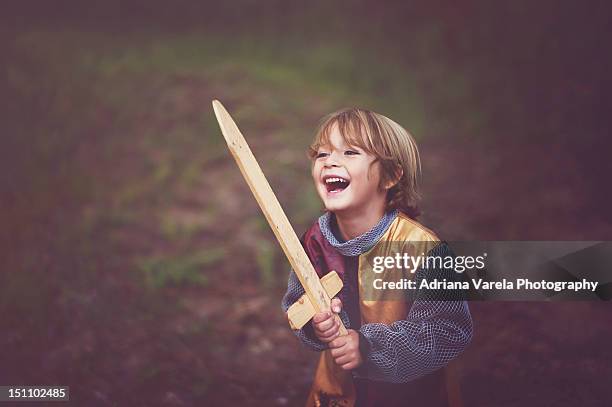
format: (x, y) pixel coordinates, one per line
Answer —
(366, 168)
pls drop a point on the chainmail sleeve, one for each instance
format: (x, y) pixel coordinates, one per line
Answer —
(437, 328)
(306, 335)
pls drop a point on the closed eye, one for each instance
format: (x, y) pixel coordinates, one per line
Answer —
(321, 154)
(351, 152)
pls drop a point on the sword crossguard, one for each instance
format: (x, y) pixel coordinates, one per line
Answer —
(302, 311)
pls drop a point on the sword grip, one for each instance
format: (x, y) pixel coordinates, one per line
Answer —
(342, 328)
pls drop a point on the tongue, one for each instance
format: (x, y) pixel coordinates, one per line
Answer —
(336, 186)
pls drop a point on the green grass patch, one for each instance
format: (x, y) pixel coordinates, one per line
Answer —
(265, 253)
(161, 271)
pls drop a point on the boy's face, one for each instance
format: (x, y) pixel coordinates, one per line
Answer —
(345, 178)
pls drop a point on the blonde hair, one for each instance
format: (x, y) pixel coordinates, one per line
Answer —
(389, 142)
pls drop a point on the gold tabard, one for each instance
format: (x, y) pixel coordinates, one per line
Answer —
(333, 386)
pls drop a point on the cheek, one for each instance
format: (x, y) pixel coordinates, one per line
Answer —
(314, 172)
(370, 173)
(373, 175)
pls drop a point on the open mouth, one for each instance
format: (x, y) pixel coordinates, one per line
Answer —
(335, 184)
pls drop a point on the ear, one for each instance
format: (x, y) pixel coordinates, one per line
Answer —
(396, 177)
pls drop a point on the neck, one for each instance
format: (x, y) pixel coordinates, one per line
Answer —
(353, 225)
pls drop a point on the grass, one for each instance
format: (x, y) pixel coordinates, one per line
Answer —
(160, 271)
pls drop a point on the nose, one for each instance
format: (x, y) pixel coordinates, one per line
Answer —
(331, 160)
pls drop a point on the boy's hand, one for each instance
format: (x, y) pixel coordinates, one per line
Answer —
(325, 326)
(345, 350)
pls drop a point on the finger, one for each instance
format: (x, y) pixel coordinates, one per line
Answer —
(325, 325)
(349, 366)
(343, 359)
(339, 342)
(336, 305)
(329, 339)
(332, 331)
(337, 352)
(321, 316)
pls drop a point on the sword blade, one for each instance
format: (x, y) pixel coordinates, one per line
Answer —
(273, 211)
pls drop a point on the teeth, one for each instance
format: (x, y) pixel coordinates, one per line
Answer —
(330, 180)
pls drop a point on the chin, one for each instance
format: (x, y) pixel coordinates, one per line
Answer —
(336, 207)
(333, 208)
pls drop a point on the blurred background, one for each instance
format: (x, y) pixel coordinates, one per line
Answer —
(137, 268)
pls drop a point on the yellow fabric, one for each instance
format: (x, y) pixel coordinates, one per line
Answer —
(403, 236)
(331, 383)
